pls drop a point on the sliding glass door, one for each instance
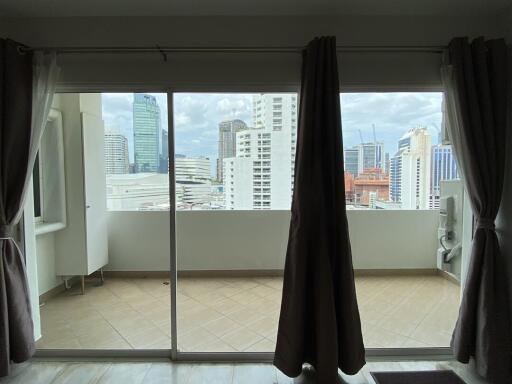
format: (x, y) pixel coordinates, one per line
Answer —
(405, 210)
(112, 247)
(234, 166)
(196, 190)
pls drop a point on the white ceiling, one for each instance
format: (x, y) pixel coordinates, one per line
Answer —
(68, 8)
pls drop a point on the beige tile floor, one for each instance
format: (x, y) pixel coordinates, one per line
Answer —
(238, 314)
(157, 372)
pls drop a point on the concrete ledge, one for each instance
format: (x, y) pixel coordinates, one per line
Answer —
(195, 273)
(266, 273)
(395, 272)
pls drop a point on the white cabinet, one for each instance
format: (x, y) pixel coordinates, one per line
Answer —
(96, 230)
(82, 247)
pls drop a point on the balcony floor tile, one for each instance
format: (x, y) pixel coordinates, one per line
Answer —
(239, 314)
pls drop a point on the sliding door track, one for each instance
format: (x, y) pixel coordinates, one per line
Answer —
(372, 354)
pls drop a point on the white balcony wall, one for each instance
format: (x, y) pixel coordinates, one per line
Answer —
(244, 240)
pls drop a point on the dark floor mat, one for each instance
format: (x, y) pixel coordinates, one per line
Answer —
(417, 377)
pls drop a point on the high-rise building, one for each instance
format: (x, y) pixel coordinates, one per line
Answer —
(444, 167)
(116, 153)
(349, 187)
(274, 111)
(370, 186)
(351, 160)
(278, 112)
(395, 178)
(370, 156)
(146, 133)
(193, 180)
(364, 156)
(410, 170)
(395, 169)
(164, 154)
(386, 162)
(261, 174)
(227, 142)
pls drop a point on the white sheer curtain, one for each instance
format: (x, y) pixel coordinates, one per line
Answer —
(452, 111)
(45, 75)
(27, 82)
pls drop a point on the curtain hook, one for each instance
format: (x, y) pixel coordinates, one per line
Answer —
(162, 52)
(22, 50)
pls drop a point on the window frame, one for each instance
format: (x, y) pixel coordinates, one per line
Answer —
(52, 175)
(38, 192)
(395, 89)
(434, 353)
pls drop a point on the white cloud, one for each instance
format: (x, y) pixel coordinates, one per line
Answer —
(181, 118)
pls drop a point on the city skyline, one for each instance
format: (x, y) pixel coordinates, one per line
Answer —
(256, 147)
(197, 117)
(117, 111)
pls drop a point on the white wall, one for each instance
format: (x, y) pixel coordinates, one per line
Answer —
(59, 252)
(45, 246)
(51, 246)
(243, 240)
(245, 30)
(47, 279)
(389, 70)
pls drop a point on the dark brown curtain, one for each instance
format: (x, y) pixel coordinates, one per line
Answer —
(319, 322)
(480, 88)
(16, 328)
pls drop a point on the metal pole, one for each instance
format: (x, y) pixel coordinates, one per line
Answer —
(227, 49)
(172, 223)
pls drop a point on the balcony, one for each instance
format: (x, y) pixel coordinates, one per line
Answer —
(229, 285)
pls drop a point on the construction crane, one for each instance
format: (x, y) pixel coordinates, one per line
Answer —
(361, 136)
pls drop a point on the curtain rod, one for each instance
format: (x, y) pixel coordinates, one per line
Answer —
(282, 49)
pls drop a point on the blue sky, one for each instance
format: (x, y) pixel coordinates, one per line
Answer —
(197, 117)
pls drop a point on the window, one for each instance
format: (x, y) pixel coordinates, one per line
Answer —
(48, 178)
(247, 131)
(137, 156)
(38, 194)
(393, 152)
